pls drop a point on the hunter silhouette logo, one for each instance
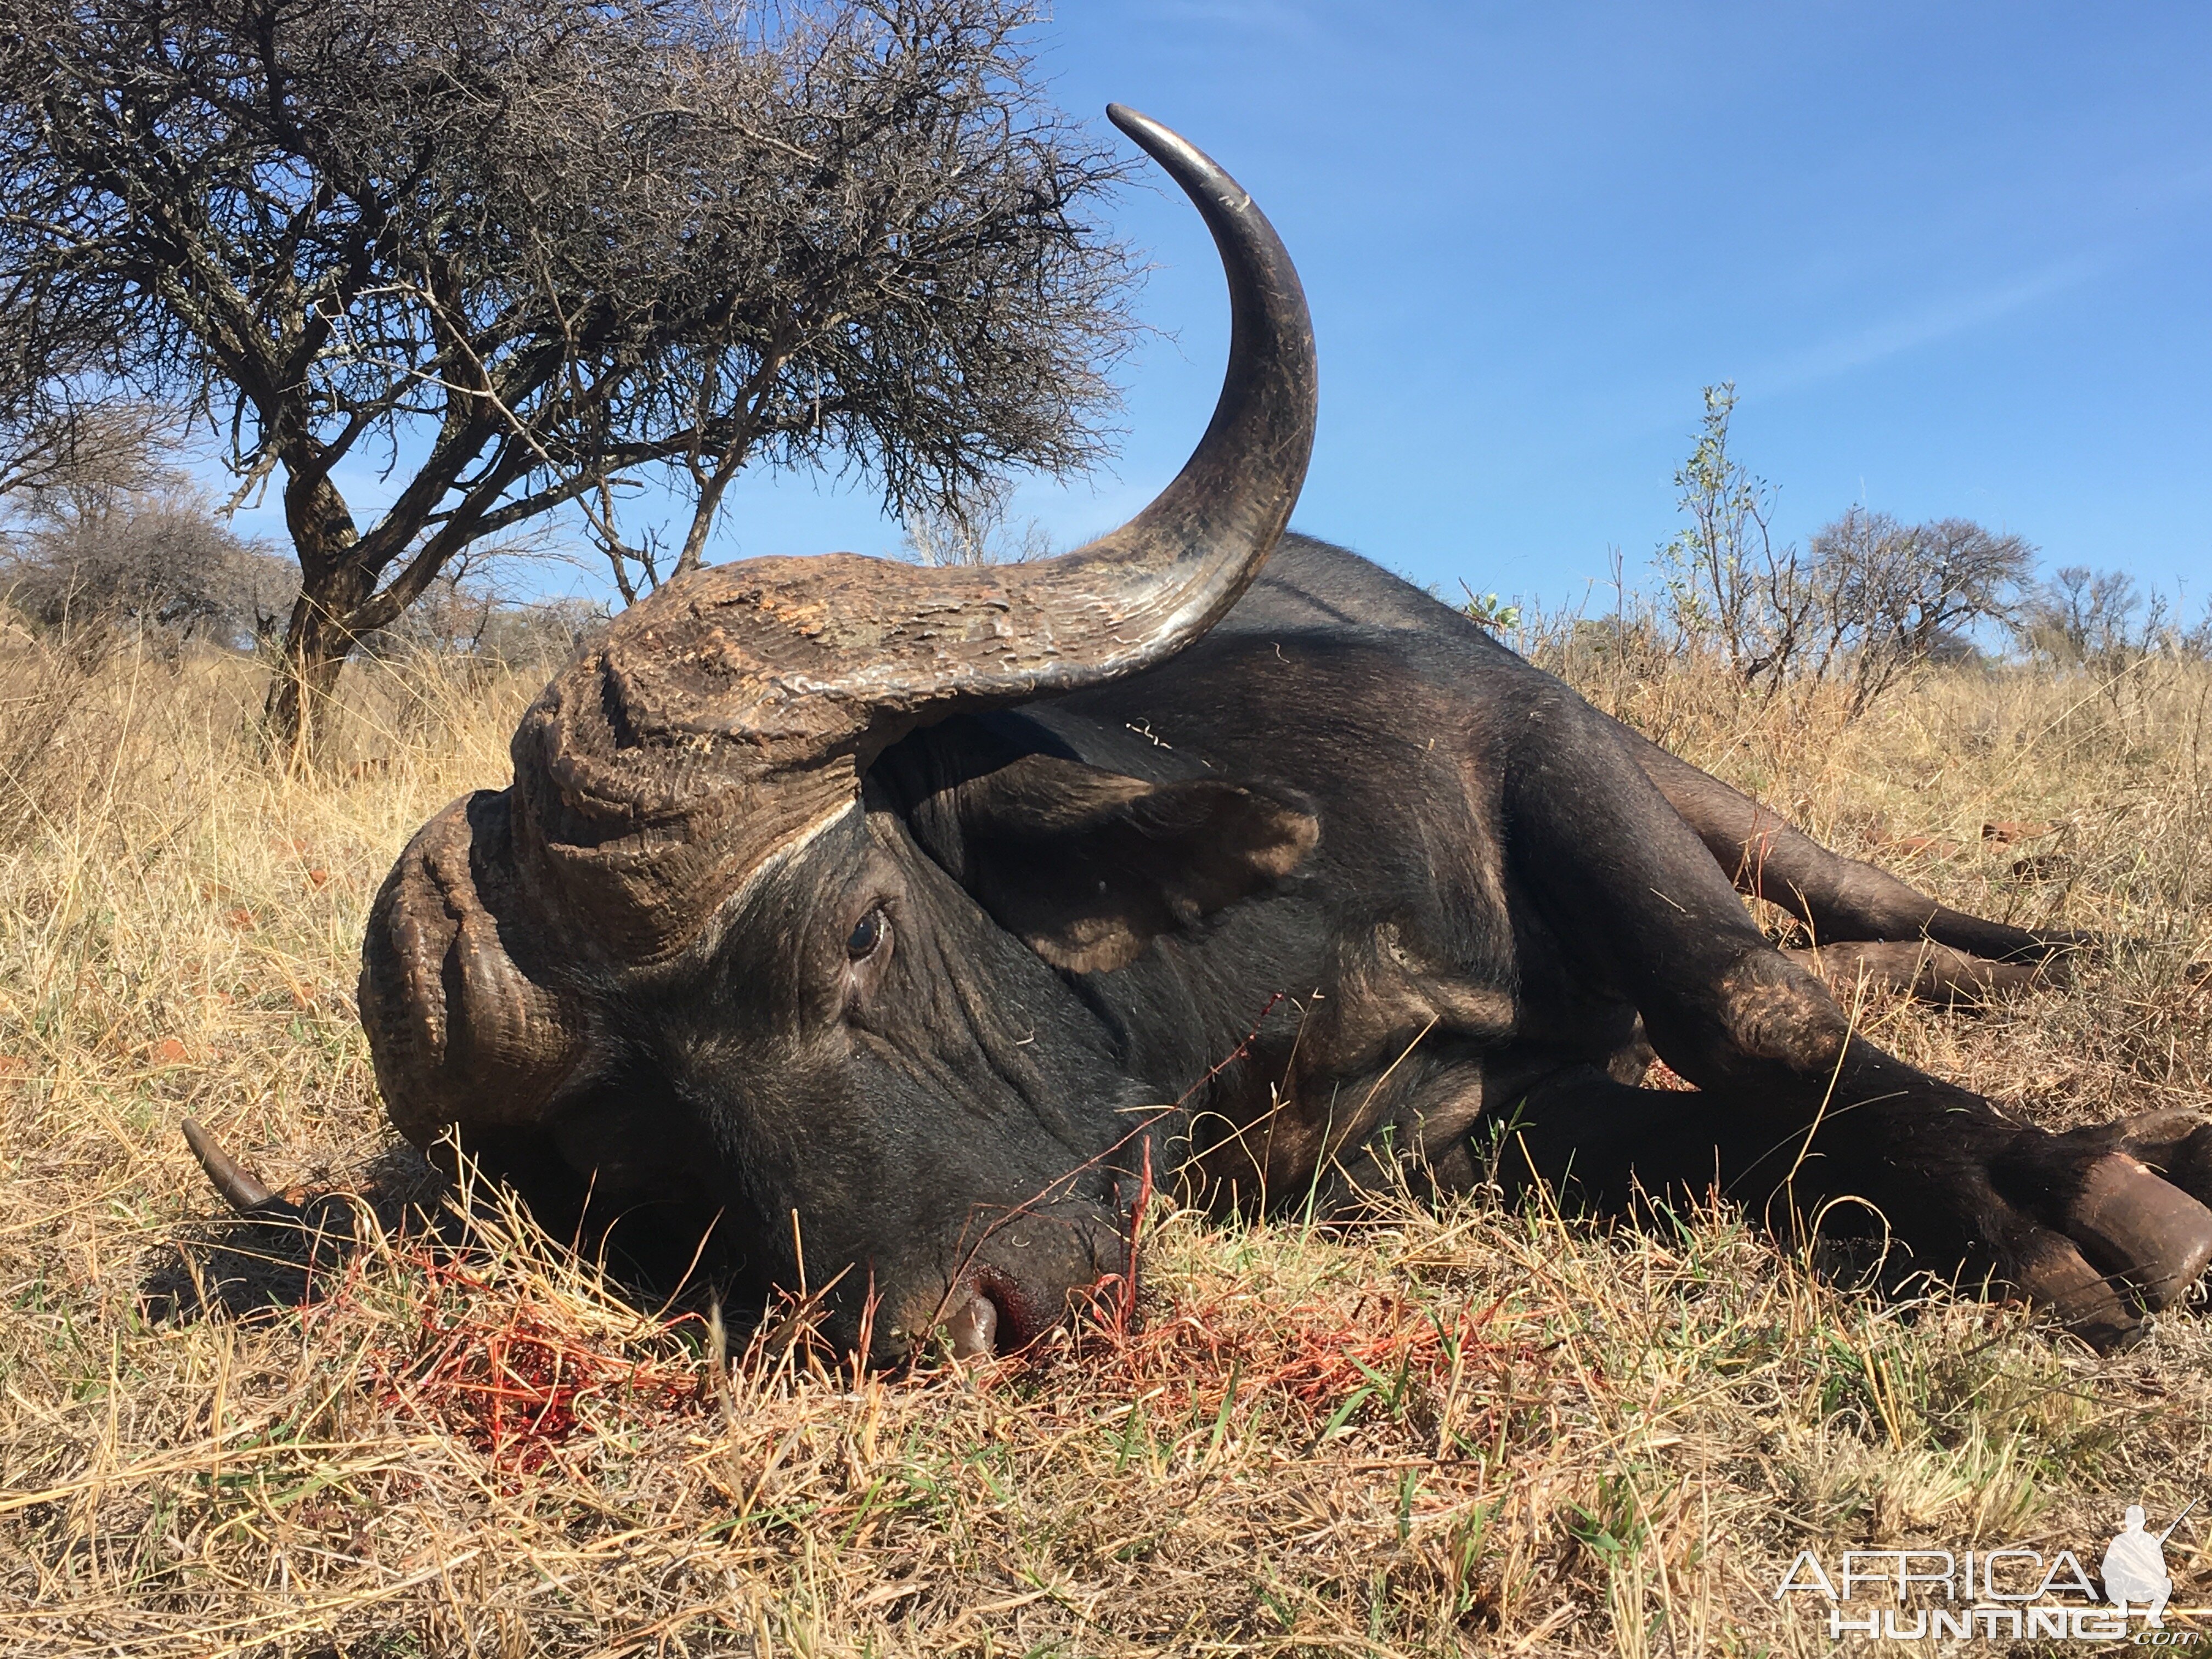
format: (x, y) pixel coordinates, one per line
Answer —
(2135, 1567)
(2004, 1594)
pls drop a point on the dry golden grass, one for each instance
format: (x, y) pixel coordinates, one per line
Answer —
(1487, 1430)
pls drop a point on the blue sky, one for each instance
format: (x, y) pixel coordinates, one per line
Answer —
(1957, 258)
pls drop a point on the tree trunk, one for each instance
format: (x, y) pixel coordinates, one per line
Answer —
(333, 585)
(316, 646)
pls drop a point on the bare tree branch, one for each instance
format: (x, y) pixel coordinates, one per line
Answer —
(569, 242)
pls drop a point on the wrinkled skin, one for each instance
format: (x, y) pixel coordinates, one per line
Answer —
(942, 1030)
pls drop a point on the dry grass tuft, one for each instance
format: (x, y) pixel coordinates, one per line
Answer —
(433, 1430)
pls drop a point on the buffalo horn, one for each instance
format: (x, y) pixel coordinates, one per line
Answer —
(717, 722)
(722, 717)
(239, 1187)
(459, 1030)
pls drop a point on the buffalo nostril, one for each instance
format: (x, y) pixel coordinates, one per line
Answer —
(973, 1329)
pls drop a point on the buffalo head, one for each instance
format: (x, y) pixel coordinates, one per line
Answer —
(739, 939)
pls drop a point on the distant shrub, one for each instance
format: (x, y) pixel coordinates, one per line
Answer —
(467, 621)
(1870, 598)
(101, 569)
(2101, 623)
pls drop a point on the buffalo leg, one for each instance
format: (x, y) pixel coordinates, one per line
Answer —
(1603, 1145)
(1602, 1142)
(1839, 898)
(1921, 968)
(1418, 1144)
(1636, 899)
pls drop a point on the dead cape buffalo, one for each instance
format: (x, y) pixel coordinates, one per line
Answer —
(899, 916)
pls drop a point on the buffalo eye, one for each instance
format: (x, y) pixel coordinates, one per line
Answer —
(868, 935)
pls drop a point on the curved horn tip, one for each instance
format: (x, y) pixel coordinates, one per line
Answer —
(1163, 144)
(1222, 515)
(1145, 129)
(245, 1193)
(1127, 120)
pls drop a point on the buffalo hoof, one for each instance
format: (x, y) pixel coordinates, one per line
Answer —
(2142, 1231)
(2129, 1244)
(2059, 1281)
(1926, 971)
(2176, 1144)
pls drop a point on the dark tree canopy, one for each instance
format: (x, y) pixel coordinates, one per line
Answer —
(518, 251)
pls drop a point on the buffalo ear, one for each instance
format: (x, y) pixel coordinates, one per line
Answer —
(1090, 867)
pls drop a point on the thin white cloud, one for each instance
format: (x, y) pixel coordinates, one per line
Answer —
(1922, 327)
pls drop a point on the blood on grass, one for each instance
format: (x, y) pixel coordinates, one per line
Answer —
(513, 1377)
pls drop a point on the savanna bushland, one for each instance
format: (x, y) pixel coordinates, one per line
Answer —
(429, 1428)
(535, 255)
